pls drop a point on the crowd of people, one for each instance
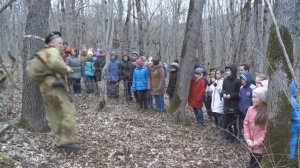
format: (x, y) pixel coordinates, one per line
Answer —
(236, 101)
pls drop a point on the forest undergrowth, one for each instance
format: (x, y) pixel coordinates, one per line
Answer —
(119, 136)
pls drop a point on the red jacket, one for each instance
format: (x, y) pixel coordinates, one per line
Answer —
(196, 94)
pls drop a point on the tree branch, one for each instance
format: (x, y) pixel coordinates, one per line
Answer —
(281, 42)
(6, 5)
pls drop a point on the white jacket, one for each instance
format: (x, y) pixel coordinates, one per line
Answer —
(217, 103)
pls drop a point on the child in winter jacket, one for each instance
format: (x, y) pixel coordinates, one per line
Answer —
(255, 125)
(89, 73)
(172, 79)
(245, 99)
(295, 125)
(217, 103)
(140, 83)
(196, 94)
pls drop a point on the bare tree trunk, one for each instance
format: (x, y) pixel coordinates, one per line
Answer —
(296, 33)
(108, 45)
(241, 48)
(192, 45)
(126, 26)
(140, 27)
(33, 111)
(231, 21)
(63, 26)
(278, 102)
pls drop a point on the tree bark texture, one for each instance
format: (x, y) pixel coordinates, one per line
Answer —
(192, 45)
(140, 27)
(279, 108)
(37, 24)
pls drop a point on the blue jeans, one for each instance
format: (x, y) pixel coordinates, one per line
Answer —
(295, 129)
(89, 84)
(149, 99)
(159, 103)
(198, 114)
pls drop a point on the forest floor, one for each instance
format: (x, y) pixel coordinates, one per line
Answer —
(119, 136)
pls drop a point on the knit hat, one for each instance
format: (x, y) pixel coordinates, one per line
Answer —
(139, 62)
(198, 71)
(261, 92)
(175, 64)
(113, 53)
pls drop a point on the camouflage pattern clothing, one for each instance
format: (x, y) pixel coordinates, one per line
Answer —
(59, 108)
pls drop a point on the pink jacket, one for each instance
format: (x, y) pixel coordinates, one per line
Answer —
(253, 132)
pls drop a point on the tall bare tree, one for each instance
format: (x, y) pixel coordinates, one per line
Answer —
(140, 26)
(33, 111)
(126, 26)
(192, 45)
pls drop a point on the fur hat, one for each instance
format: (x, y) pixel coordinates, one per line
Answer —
(261, 92)
(198, 71)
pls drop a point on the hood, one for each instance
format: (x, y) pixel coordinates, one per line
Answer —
(233, 71)
(248, 77)
(153, 67)
(293, 89)
(128, 60)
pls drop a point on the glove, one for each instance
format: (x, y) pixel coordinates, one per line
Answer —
(249, 143)
(215, 84)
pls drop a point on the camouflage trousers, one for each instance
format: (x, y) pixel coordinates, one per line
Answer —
(60, 113)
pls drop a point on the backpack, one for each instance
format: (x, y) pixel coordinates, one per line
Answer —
(89, 68)
(37, 70)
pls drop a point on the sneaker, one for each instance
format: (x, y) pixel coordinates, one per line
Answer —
(70, 147)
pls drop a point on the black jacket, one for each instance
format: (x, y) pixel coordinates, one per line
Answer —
(172, 82)
(231, 85)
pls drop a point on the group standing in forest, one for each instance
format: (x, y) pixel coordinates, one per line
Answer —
(234, 100)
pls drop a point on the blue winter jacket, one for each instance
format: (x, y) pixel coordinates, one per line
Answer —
(246, 93)
(140, 78)
(114, 70)
(89, 68)
(295, 117)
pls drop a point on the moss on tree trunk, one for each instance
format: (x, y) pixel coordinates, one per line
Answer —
(278, 134)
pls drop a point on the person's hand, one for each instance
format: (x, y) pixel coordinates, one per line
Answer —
(255, 144)
(69, 69)
(228, 96)
(249, 143)
(224, 95)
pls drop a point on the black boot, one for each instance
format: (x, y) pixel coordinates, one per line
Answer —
(70, 147)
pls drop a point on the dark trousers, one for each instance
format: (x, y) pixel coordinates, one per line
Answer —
(136, 96)
(76, 85)
(230, 125)
(207, 103)
(113, 89)
(255, 160)
(218, 119)
(127, 89)
(142, 99)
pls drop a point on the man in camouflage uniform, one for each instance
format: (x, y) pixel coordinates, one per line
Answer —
(59, 108)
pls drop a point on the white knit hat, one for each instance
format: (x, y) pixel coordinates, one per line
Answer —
(261, 92)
